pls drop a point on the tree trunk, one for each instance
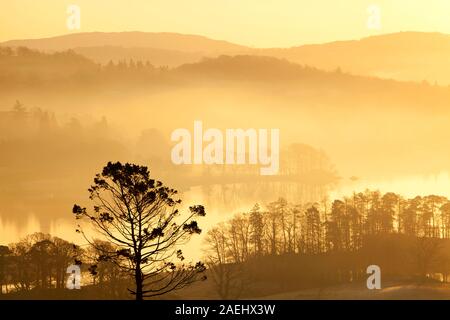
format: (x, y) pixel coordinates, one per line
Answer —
(139, 282)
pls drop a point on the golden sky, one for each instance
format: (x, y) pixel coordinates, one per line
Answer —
(259, 23)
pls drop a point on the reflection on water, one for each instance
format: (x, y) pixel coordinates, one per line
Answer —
(11, 231)
(409, 186)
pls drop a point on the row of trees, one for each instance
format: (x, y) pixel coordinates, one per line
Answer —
(25, 52)
(315, 228)
(35, 121)
(76, 64)
(330, 242)
(40, 261)
(26, 68)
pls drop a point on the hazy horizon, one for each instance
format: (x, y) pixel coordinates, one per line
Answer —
(162, 32)
(290, 23)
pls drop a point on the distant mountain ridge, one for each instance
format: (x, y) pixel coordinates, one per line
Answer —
(164, 48)
(132, 39)
(406, 56)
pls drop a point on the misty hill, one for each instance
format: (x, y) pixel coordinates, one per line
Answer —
(331, 86)
(413, 56)
(410, 56)
(23, 66)
(249, 67)
(160, 48)
(163, 40)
